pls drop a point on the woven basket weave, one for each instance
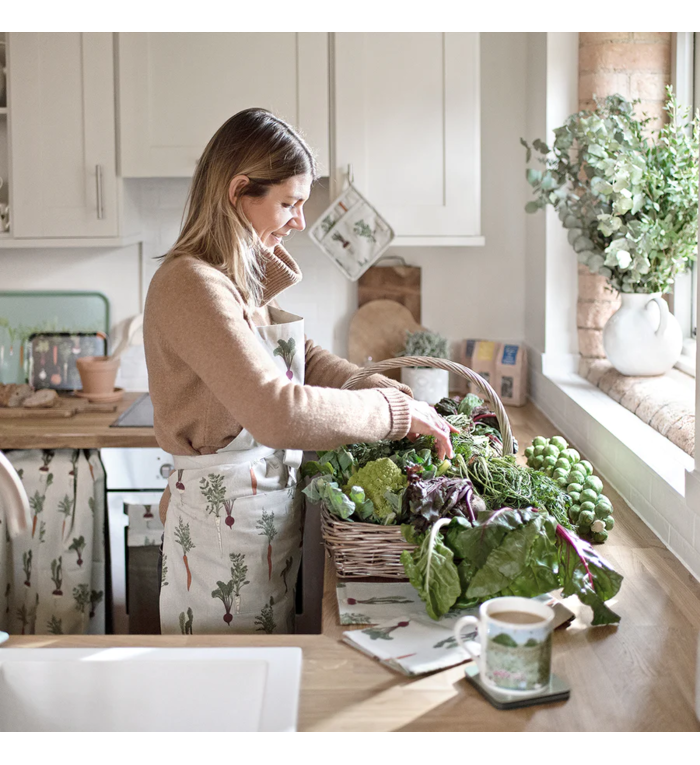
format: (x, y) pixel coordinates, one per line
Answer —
(369, 549)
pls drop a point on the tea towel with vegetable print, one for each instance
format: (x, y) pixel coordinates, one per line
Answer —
(233, 530)
(52, 576)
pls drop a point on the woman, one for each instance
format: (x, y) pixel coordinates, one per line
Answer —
(238, 391)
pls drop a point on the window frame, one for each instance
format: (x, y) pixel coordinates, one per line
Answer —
(685, 78)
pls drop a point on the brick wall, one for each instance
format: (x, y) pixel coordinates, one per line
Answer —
(635, 65)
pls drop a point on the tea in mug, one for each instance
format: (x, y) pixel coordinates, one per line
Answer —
(516, 617)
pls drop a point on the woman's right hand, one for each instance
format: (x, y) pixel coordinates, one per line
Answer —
(426, 421)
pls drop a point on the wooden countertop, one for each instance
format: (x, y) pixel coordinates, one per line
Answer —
(85, 430)
(639, 676)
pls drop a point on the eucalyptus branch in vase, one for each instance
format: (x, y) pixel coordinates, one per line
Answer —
(630, 206)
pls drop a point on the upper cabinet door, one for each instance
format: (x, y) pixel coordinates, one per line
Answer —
(406, 118)
(177, 89)
(62, 135)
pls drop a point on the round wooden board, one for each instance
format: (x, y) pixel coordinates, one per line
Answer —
(378, 331)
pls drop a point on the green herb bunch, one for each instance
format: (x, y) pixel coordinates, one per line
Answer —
(425, 343)
(630, 205)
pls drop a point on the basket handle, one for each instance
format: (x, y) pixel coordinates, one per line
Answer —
(486, 391)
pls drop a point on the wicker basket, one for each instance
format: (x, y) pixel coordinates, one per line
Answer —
(367, 549)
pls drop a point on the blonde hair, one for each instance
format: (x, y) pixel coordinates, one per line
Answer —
(268, 151)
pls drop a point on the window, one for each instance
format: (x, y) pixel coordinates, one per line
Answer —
(686, 85)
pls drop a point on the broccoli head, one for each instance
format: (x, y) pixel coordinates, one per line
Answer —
(376, 479)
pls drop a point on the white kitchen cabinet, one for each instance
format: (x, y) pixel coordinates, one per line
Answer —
(177, 89)
(62, 141)
(406, 118)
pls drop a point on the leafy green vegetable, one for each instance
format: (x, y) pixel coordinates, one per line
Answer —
(504, 483)
(424, 502)
(585, 574)
(468, 404)
(432, 572)
(522, 552)
(473, 543)
(507, 562)
(447, 407)
(323, 489)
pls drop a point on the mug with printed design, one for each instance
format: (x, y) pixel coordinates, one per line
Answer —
(515, 635)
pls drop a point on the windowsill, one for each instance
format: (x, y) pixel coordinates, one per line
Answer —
(665, 403)
(686, 363)
(625, 449)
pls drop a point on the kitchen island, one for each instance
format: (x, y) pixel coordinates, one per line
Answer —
(639, 676)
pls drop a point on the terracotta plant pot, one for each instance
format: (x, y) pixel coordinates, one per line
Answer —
(97, 374)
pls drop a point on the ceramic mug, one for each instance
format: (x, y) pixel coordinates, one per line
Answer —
(515, 635)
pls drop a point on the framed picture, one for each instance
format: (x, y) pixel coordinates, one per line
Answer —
(52, 357)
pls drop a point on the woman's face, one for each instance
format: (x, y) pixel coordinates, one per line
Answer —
(277, 214)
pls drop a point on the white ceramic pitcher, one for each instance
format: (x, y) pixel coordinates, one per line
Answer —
(643, 337)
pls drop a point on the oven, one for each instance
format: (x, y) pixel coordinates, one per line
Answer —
(136, 479)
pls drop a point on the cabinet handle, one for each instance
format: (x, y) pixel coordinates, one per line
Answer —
(166, 470)
(100, 201)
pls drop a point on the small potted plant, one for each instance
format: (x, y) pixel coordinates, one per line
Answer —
(630, 206)
(427, 383)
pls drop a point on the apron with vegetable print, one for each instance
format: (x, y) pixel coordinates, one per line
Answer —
(233, 530)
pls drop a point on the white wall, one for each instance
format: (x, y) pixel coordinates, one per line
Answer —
(467, 292)
(552, 283)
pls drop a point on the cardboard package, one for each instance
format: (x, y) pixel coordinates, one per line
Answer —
(510, 381)
(462, 353)
(484, 361)
(502, 365)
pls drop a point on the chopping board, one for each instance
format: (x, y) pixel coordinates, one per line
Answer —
(398, 283)
(65, 407)
(378, 332)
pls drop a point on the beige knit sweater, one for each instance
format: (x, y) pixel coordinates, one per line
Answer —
(209, 375)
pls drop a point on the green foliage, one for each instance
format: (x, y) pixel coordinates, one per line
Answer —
(425, 343)
(432, 572)
(630, 206)
(506, 552)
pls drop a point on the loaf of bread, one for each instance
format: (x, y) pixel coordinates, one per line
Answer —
(19, 395)
(6, 391)
(42, 399)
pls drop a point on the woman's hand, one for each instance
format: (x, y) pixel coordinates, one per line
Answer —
(426, 421)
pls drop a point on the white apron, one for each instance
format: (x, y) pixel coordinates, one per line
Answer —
(233, 530)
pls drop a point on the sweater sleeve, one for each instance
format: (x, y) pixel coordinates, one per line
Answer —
(201, 318)
(325, 369)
